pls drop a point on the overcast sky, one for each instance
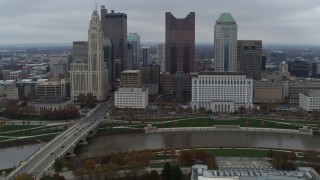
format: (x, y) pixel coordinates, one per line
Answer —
(64, 21)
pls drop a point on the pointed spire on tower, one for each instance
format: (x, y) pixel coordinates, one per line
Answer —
(96, 7)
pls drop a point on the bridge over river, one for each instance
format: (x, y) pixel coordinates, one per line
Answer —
(62, 145)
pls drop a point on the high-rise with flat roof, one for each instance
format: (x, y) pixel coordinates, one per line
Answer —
(225, 44)
(161, 57)
(114, 26)
(80, 51)
(180, 43)
(134, 41)
(249, 58)
(146, 55)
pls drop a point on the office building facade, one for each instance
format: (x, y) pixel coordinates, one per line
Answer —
(146, 58)
(221, 92)
(299, 87)
(134, 41)
(180, 43)
(267, 91)
(161, 56)
(114, 26)
(309, 100)
(80, 51)
(225, 44)
(52, 88)
(249, 58)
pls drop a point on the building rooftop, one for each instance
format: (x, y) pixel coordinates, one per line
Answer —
(302, 173)
(49, 99)
(131, 71)
(220, 73)
(312, 93)
(226, 18)
(46, 83)
(32, 81)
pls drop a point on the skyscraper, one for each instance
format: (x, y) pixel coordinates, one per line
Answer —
(114, 26)
(179, 59)
(249, 58)
(161, 59)
(225, 44)
(146, 55)
(180, 43)
(91, 77)
(134, 40)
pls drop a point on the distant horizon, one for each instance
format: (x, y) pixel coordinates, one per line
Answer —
(147, 43)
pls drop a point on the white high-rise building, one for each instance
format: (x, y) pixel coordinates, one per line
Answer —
(161, 56)
(225, 44)
(221, 92)
(91, 77)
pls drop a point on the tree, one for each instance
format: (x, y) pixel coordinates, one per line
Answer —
(58, 165)
(187, 157)
(135, 166)
(110, 170)
(166, 172)
(202, 109)
(57, 176)
(79, 173)
(81, 98)
(174, 103)
(97, 171)
(44, 114)
(12, 109)
(89, 164)
(154, 175)
(31, 96)
(292, 156)
(242, 110)
(315, 114)
(176, 173)
(160, 102)
(89, 100)
(23, 177)
(147, 155)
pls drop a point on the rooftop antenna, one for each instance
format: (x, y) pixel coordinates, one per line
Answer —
(96, 6)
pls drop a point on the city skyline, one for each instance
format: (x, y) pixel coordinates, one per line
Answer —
(285, 22)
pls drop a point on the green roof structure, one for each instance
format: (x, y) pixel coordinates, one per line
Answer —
(226, 18)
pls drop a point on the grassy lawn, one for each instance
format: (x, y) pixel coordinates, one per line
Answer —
(26, 117)
(239, 152)
(4, 138)
(208, 122)
(31, 132)
(157, 165)
(16, 127)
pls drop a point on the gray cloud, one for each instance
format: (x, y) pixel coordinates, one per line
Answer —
(56, 21)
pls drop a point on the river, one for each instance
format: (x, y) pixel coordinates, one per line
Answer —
(102, 145)
(12, 156)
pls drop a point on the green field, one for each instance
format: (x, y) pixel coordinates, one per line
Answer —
(6, 128)
(14, 132)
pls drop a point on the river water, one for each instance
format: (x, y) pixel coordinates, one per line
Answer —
(101, 145)
(10, 157)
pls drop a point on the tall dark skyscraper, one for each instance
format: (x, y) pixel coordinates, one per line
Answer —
(249, 58)
(114, 26)
(180, 43)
